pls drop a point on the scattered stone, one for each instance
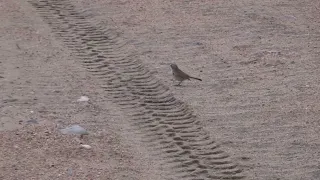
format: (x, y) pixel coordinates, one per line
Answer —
(70, 171)
(74, 129)
(83, 99)
(56, 91)
(86, 146)
(32, 121)
(9, 100)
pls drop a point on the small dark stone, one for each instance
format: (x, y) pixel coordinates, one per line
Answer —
(9, 100)
(32, 121)
(245, 158)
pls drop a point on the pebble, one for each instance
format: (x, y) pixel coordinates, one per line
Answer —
(32, 121)
(86, 146)
(74, 129)
(83, 99)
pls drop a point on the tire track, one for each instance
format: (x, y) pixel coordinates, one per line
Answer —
(167, 124)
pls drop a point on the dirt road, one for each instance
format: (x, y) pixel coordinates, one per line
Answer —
(254, 115)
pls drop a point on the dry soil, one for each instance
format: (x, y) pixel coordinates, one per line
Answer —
(254, 116)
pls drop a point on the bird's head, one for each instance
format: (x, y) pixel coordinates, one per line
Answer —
(173, 66)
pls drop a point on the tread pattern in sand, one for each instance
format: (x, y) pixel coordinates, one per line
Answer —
(167, 124)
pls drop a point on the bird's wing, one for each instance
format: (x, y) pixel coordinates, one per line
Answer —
(183, 74)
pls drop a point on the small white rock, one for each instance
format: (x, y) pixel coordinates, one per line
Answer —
(74, 129)
(83, 99)
(86, 146)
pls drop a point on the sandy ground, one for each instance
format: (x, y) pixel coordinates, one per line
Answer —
(259, 61)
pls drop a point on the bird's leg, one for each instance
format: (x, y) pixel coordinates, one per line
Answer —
(79, 139)
(178, 83)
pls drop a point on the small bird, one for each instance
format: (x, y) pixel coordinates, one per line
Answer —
(180, 75)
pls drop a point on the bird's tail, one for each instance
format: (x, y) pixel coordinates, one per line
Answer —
(196, 78)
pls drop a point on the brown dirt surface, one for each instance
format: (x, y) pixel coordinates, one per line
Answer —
(254, 116)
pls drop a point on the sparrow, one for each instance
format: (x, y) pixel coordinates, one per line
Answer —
(180, 75)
